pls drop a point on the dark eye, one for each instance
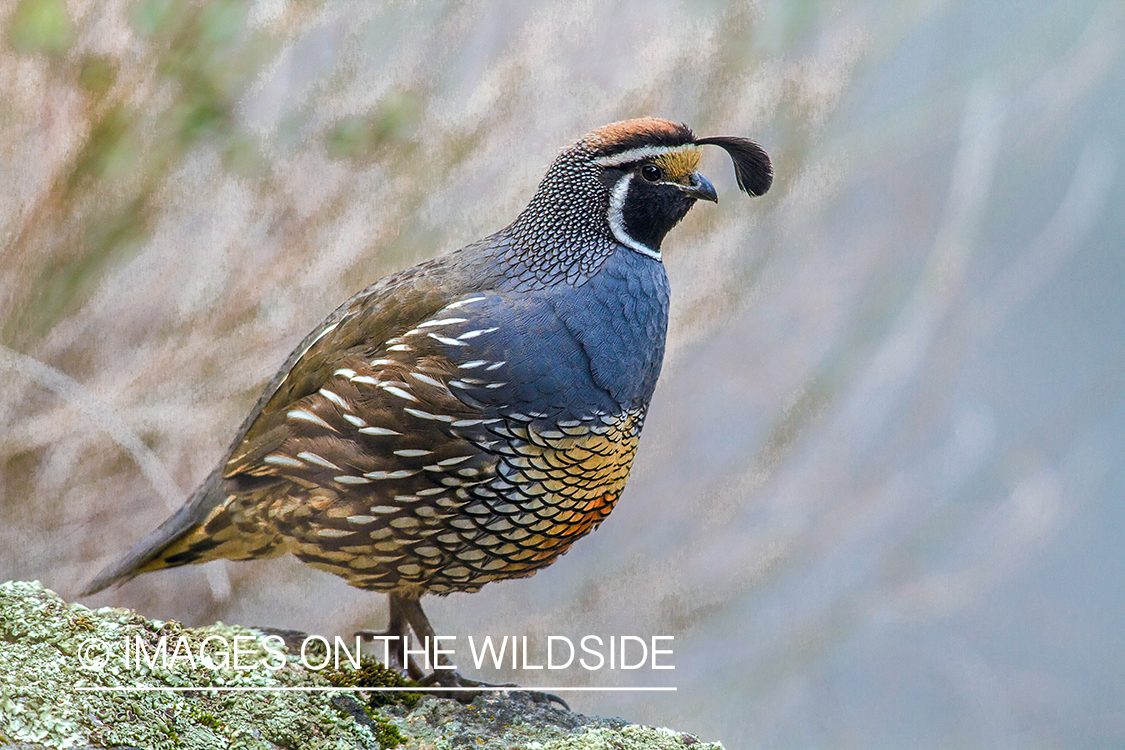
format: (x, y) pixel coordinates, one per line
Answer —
(652, 173)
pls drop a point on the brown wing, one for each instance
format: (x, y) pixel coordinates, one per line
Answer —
(353, 334)
(360, 475)
(214, 523)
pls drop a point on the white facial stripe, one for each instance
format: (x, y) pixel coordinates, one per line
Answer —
(617, 218)
(637, 154)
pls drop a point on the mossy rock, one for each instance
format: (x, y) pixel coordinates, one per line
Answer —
(56, 670)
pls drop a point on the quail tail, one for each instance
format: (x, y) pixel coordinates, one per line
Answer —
(200, 531)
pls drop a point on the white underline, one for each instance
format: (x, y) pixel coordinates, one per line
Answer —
(289, 689)
(616, 219)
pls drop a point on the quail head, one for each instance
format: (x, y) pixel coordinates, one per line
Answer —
(466, 420)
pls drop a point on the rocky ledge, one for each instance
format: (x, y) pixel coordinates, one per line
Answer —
(223, 686)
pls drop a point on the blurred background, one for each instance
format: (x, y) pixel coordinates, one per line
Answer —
(878, 501)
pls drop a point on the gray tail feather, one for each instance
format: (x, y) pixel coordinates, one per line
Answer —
(141, 558)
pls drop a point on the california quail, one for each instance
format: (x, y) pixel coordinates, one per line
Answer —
(467, 419)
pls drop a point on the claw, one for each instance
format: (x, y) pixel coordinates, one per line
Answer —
(546, 698)
(451, 678)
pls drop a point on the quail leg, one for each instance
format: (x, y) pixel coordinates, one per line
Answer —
(396, 636)
(451, 678)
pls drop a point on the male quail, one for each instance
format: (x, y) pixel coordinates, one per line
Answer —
(466, 420)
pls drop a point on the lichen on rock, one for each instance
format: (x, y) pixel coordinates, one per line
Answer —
(62, 666)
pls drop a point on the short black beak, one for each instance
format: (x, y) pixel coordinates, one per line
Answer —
(700, 188)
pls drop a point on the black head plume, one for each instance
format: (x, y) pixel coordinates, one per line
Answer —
(752, 166)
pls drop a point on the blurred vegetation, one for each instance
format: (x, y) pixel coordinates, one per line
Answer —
(40, 26)
(878, 469)
(98, 204)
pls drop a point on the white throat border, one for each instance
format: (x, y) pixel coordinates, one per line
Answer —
(616, 217)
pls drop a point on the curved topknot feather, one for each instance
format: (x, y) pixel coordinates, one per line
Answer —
(752, 167)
